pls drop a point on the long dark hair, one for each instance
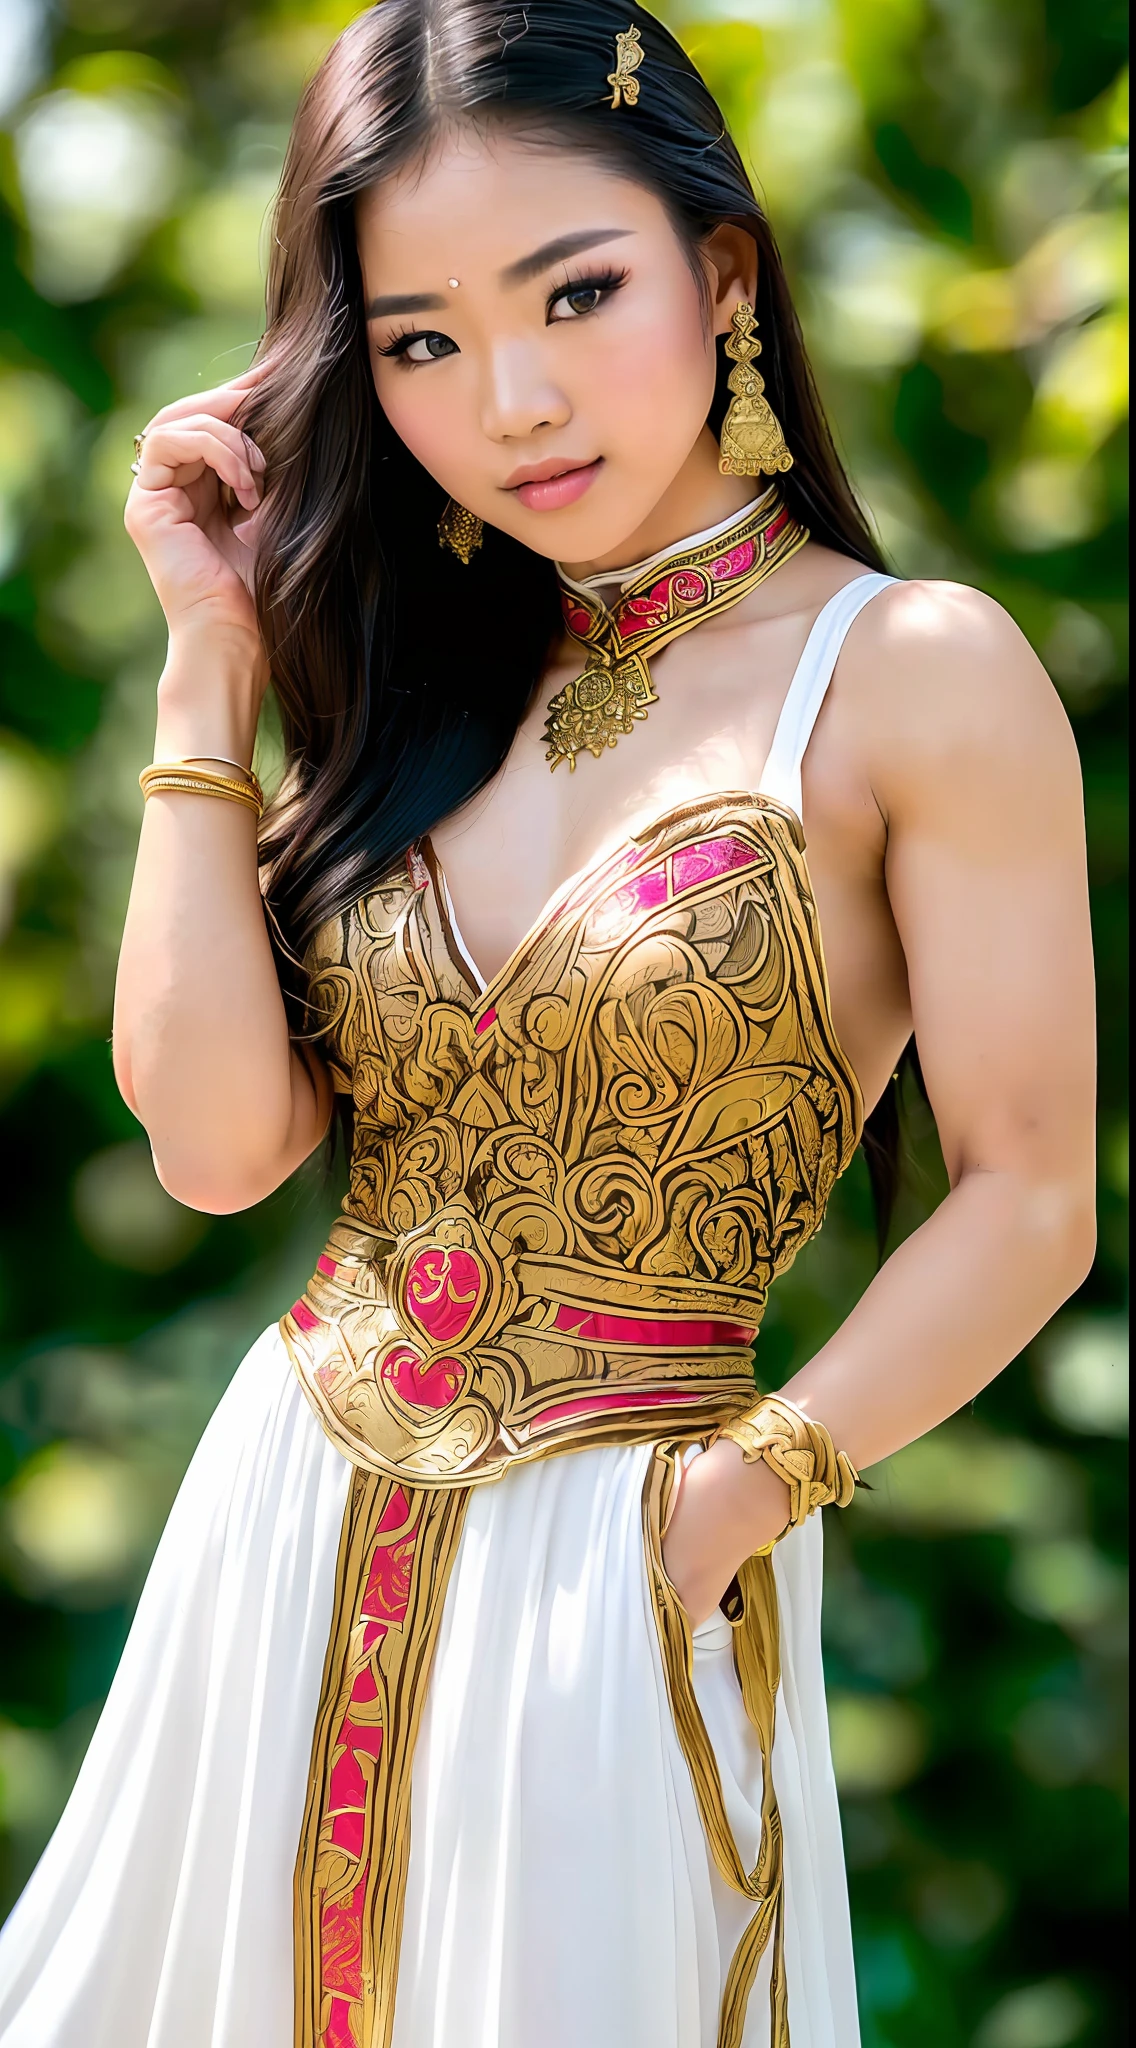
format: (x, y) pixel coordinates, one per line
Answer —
(387, 724)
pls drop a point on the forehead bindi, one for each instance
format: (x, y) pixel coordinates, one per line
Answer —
(478, 212)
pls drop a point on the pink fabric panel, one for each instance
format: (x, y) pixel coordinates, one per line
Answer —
(711, 857)
(595, 1326)
(431, 1386)
(592, 1404)
(576, 616)
(342, 1936)
(443, 1288)
(347, 1828)
(660, 603)
(646, 892)
(341, 1924)
(337, 2033)
(734, 563)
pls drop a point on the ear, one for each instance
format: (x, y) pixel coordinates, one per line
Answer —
(730, 259)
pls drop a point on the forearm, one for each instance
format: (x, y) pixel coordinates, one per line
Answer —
(950, 1308)
(201, 1041)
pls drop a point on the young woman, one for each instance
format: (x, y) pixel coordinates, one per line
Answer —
(474, 1699)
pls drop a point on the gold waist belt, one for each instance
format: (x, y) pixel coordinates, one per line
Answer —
(442, 1360)
(433, 1365)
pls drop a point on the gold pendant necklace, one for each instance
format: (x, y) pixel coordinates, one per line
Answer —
(673, 594)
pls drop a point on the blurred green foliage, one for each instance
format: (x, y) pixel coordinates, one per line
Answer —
(948, 179)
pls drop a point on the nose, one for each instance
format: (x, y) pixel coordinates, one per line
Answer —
(518, 396)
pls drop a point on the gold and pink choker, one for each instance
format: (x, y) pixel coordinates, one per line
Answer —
(667, 596)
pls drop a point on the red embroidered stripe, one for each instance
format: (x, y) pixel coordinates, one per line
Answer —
(355, 1749)
(595, 1326)
(594, 1404)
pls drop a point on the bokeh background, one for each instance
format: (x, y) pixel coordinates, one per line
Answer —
(948, 178)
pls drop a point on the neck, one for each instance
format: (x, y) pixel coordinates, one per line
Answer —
(699, 497)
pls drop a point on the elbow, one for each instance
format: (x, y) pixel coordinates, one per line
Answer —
(216, 1188)
(123, 1078)
(1081, 1248)
(1062, 1222)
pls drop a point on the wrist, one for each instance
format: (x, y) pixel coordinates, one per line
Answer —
(769, 1505)
(764, 1503)
(209, 697)
(752, 1501)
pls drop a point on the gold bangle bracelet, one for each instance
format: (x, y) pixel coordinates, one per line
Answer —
(202, 760)
(198, 782)
(191, 785)
(799, 1450)
(194, 764)
(247, 783)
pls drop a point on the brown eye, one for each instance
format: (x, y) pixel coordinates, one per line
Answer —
(583, 298)
(585, 295)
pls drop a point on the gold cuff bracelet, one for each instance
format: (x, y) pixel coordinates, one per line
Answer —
(799, 1450)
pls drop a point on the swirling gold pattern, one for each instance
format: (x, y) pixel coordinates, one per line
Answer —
(644, 1112)
(569, 1194)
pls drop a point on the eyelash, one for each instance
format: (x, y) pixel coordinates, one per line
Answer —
(400, 342)
(605, 281)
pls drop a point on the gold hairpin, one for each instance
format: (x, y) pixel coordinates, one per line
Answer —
(628, 57)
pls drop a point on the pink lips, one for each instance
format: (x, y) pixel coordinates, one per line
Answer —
(552, 493)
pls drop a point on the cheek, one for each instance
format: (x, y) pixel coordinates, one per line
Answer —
(420, 417)
(658, 376)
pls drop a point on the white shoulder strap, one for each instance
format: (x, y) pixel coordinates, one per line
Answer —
(781, 775)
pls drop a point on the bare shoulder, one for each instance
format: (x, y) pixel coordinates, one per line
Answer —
(949, 650)
(947, 693)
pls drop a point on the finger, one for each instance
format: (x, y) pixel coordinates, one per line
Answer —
(247, 531)
(221, 402)
(255, 374)
(174, 456)
(242, 444)
(242, 557)
(183, 459)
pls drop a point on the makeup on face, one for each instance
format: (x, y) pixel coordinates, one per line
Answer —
(551, 485)
(516, 300)
(510, 277)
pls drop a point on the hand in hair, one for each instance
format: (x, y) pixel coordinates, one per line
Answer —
(201, 1045)
(196, 468)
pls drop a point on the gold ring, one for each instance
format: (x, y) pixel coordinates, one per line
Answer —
(137, 462)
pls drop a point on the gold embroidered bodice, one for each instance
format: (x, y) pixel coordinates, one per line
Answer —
(570, 1190)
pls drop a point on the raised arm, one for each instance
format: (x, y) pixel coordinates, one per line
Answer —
(975, 772)
(201, 1046)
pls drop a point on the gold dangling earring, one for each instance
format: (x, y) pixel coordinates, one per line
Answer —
(460, 530)
(752, 441)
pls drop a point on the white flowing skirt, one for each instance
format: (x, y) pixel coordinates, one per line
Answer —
(560, 1886)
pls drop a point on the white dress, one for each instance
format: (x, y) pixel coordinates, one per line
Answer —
(560, 1890)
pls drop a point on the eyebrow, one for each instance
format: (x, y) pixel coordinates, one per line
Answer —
(405, 302)
(528, 267)
(513, 275)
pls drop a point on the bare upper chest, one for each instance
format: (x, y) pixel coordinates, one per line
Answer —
(720, 694)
